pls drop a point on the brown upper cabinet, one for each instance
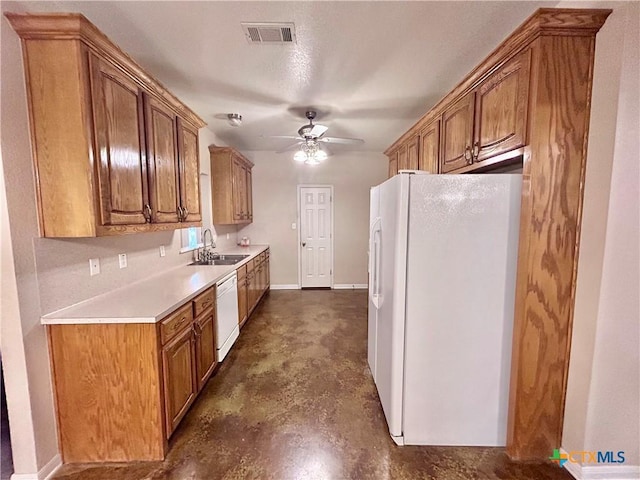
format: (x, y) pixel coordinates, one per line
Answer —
(231, 186)
(413, 153)
(114, 152)
(430, 147)
(501, 109)
(393, 163)
(457, 133)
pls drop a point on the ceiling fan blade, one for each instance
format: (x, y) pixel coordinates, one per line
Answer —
(318, 130)
(344, 141)
(290, 137)
(290, 147)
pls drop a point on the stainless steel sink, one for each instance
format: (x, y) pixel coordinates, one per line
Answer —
(221, 260)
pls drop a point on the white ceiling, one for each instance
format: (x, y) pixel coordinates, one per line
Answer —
(371, 69)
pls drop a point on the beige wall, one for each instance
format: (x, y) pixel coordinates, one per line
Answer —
(603, 393)
(275, 180)
(40, 275)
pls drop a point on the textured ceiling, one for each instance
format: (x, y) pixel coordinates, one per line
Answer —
(371, 69)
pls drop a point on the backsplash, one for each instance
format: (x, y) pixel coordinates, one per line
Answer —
(62, 265)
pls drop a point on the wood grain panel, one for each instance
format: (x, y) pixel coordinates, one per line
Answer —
(205, 347)
(430, 147)
(249, 193)
(548, 245)
(403, 157)
(57, 112)
(231, 186)
(163, 161)
(176, 323)
(179, 374)
(502, 108)
(204, 301)
(189, 160)
(457, 134)
(393, 164)
(413, 153)
(239, 191)
(107, 392)
(119, 134)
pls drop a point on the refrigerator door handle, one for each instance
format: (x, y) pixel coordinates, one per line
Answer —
(374, 263)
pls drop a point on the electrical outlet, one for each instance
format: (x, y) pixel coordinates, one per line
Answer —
(227, 236)
(122, 260)
(293, 226)
(162, 252)
(94, 266)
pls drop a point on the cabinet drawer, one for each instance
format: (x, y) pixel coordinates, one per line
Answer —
(203, 301)
(175, 323)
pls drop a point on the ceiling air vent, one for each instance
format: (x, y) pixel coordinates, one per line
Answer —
(269, 33)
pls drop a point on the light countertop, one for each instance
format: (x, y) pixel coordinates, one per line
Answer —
(151, 299)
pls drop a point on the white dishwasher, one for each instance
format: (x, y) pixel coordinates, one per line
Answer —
(227, 328)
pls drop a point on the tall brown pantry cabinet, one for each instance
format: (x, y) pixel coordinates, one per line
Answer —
(114, 152)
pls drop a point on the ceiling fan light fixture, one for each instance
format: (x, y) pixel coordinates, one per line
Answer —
(235, 119)
(320, 155)
(300, 156)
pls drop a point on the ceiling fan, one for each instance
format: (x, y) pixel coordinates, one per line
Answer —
(309, 140)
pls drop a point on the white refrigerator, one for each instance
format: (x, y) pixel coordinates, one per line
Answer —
(442, 267)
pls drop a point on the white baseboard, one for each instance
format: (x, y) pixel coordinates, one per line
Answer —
(350, 286)
(44, 473)
(602, 472)
(290, 286)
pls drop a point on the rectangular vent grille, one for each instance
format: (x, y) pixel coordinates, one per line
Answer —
(269, 33)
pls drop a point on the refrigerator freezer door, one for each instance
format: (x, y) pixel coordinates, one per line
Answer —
(463, 239)
(374, 220)
(393, 213)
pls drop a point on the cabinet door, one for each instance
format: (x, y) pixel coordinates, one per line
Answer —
(205, 347)
(189, 162)
(268, 269)
(180, 386)
(413, 150)
(403, 158)
(393, 164)
(162, 154)
(501, 109)
(119, 132)
(242, 299)
(430, 147)
(238, 188)
(249, 192)
(457, 134)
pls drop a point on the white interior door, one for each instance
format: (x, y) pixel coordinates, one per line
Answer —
(316, 225)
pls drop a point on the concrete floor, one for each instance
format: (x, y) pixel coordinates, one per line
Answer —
(295, 400)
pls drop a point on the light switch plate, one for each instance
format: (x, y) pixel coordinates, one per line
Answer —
(94, 266)
(162, 252)
(122, 260)
(293, 226)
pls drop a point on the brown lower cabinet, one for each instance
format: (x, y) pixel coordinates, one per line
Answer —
(253, 283)
(122, 389)
(243, 312)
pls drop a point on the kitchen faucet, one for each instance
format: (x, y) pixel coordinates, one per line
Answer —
(207, 254)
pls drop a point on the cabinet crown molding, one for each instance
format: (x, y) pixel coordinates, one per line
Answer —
(75, 26)
(543, 22)
(217, 149)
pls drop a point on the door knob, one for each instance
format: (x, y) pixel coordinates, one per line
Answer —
(304, 244)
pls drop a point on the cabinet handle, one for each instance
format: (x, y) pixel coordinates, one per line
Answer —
(468, 156)
(179, 211)
(186, 213)
(147, 212)
(476, 151)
